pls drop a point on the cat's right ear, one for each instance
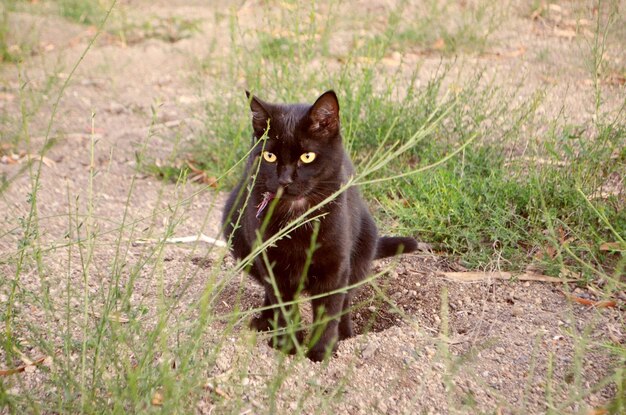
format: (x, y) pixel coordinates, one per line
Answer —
(260, 115)
(324, 115)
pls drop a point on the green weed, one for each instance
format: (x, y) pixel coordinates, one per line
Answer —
(82, 11)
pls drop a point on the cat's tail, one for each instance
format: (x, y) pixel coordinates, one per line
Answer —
(393, 245)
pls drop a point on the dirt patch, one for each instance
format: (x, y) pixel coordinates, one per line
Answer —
(497, 339)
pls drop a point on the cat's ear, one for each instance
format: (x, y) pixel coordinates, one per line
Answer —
(324, 115)
(260, 114)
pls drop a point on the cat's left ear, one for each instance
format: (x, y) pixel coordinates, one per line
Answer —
(324, 115)
(260, 114)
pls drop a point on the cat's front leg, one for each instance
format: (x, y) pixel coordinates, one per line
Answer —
(283, 318)
(346, 329)
(263, 322)
(326, 313)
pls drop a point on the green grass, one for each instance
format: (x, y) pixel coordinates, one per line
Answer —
(83, 11)
(16, 44)
(516, 192)
(448, 28)
(478, 207)
(6, 52)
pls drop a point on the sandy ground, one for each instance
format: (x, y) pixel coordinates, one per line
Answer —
(505, 344)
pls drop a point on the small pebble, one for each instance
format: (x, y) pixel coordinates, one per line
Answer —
(115, 108)
(369, 350)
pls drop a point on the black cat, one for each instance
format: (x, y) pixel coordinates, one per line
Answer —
(302, 162)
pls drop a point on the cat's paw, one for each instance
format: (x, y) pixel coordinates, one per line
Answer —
(285, 342)
(318, 353)
(260, 323)
(345, 330)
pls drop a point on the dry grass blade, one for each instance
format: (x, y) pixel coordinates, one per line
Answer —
(8, 372)
(22, 157)
(183, 240)
(217, 390)
(45, 160)
(111, 317)
(478, 276)
(605, 194)
(597, 411)
(565, 33)
(514, 53)
(538, 160)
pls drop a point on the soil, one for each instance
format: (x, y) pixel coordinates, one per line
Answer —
(492, 347)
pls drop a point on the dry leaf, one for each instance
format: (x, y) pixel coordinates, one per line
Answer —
(217, 390)
(111, 317)
(360, 59)
(614, 334)
(555, 8)
(548, 251)
(548, 79)
(597, 411)
(613, 246)
(615, 79)
(5, 96)
(539, 160)
(22, 157)
(507, 54)
(7, 160)
(591, 303)
(157, 398)
(604, 194)
(477, 276)
(537, 13)
(200, 176)
(45, 160)
(568, 273)
(515, 53)
(456, 340)
(33, 363)
(193, 168)
(439, 44)
(566, 33)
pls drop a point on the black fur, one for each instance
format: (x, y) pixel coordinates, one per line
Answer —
(347, 241)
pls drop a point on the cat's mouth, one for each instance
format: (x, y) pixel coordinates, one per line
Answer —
(297, 201)
(267, 198)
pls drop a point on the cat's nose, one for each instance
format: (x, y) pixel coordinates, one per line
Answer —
(285, 181)
(285, 177)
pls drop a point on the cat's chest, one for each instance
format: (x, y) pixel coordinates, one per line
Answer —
(290, 255)
(292, 249)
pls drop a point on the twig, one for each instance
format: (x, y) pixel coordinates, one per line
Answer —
(183, 240)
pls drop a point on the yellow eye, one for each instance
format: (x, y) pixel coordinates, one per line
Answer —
(269, 157)
(307, 157)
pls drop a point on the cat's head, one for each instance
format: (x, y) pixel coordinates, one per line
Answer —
(301, 153)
